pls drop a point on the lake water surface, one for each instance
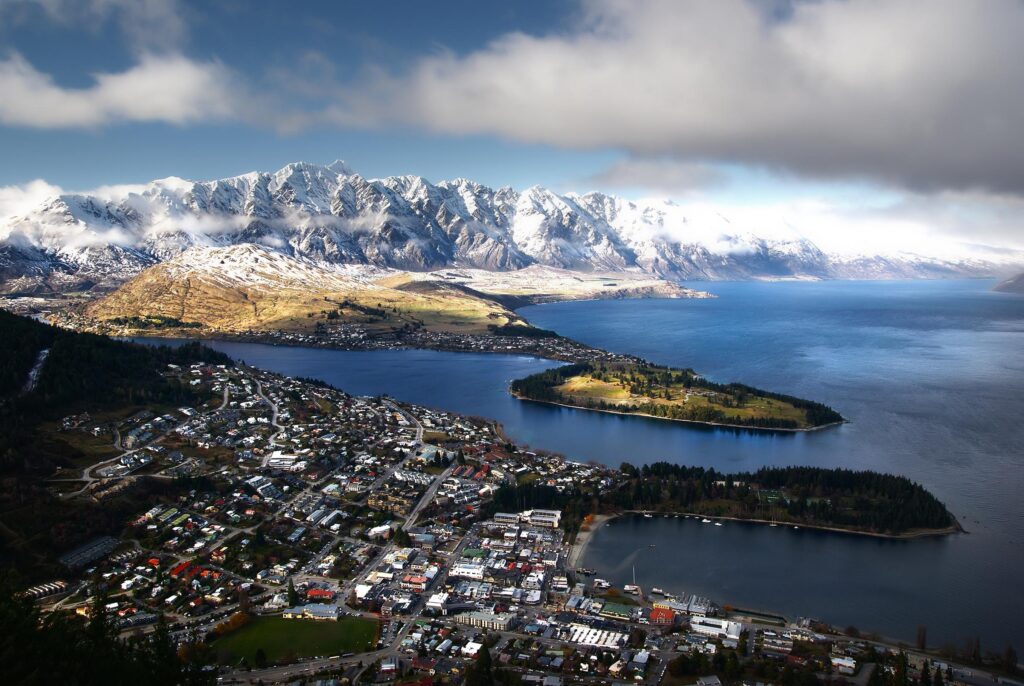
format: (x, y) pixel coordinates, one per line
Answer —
(930, 375)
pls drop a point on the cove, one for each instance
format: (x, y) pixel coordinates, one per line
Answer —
(930, 375)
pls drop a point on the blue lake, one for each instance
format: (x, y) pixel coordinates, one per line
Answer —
(930, 375)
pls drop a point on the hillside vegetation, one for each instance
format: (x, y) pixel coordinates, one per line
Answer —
(675, 394)
(81, 372)
(859, 501)
(253, 289)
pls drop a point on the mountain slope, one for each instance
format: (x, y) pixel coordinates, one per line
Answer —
(1014, 284)
(329, 214)
(250, 287)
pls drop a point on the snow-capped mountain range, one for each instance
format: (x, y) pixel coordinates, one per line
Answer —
(330, 214)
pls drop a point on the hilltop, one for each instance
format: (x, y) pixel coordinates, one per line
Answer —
(250, 288)
(331, 214)
(1014, 284)
(674, 394)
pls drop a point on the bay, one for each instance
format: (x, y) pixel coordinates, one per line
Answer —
(930, 375)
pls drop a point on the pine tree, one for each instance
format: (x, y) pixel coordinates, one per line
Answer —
(877, 678)
(1010, 660)
(164, 666)
(902, 677)
(481, 672)
(293, 595)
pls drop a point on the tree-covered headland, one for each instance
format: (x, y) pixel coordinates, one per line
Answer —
(674, 394)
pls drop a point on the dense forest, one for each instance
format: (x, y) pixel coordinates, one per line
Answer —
(811, 496)
(61, 648)
(519, 330)
(844, 498)
(20, 344)
(81, 372)
(648, 380)
(153, 322)
(575, 505)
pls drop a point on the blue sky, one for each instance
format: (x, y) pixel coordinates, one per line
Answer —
(854, 121)
(278, 35)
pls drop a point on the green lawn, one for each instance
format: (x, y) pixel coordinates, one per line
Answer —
(284, 639)
(615, 391)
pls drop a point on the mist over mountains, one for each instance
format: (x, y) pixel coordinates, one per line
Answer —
(332, 215)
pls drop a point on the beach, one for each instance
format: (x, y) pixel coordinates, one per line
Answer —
(583, 539)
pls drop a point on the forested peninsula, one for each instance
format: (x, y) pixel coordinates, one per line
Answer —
(641, 388)
(863, 502)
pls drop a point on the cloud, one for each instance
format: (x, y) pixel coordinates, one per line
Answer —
(21, 198)
(148, 25)
(159, 88)
(948, 225)
(924, 95)
(965, 221)
(671, 177)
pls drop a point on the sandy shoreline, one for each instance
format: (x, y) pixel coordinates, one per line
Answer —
(583, 539)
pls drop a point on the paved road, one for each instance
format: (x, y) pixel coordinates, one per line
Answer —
(308, 667)
(273, 415)
(89, 473)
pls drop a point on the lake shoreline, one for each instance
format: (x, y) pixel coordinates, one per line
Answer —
(583, 538)
(721, 425)
(955, 528)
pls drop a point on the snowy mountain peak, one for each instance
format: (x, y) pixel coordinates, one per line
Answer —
(328, 214)
(339, 167)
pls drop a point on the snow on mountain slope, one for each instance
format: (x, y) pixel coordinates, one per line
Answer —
(1014, 284)
(253, 287)
(329, 214)
(257, 266)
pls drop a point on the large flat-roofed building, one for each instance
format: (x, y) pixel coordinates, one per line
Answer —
(467, 571)
(719, 628)
(598, 638)
(486, 620)
(506, 518)
(546, 518)
(320, 611)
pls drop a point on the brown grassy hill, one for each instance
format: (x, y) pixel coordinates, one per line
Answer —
(247, 287)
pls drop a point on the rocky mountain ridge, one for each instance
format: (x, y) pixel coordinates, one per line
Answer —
(332, 215)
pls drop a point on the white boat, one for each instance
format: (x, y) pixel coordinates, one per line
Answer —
(648, 515)
(657, 591)
(718, 524)
(705, 521)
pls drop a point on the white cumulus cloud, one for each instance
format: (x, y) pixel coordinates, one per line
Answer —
(165, 88)
(21, 198)
(926, 95)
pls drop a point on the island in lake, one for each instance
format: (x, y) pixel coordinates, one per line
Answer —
(641, 388)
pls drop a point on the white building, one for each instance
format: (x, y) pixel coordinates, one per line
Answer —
(589, 636)
(717, 628)
(486, 620)
(546, 518)
(437, 602)
(844, 665)
(467, 571)
(507, 518)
